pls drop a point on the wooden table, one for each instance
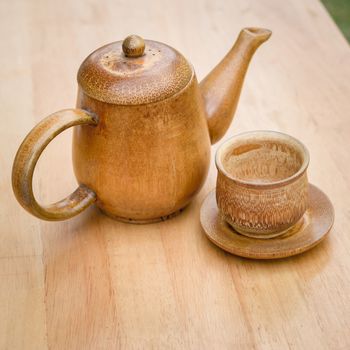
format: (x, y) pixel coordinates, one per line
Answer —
(94, 283)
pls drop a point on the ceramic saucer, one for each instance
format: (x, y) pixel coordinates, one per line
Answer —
(307, 233)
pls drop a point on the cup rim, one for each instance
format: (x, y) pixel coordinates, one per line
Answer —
(278, 135)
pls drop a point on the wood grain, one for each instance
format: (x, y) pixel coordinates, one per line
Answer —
(93, 283)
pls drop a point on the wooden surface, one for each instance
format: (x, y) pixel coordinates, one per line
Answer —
(93, 283)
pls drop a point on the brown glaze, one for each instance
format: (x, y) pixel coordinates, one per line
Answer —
(221, 88)
(262, 184)
(109, 76)
(144, 162)
(309, 231)
(27, 157)
(149, 153)
(133, 46)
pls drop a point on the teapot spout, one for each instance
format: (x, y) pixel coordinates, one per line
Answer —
(222, 86)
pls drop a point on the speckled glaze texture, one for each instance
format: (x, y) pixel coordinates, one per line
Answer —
(144, 162)
(108, 75)
(262, 203)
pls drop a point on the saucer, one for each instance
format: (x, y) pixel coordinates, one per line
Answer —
(312, 228)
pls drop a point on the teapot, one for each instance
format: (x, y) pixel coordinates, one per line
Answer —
(143, 127)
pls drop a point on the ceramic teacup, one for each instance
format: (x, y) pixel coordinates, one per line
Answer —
(262, 184)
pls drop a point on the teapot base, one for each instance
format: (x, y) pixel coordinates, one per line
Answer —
(142, 221)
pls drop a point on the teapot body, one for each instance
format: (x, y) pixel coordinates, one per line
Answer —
(144, 162)
(142, 129)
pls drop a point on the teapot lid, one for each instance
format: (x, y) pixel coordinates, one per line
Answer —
(133, 72)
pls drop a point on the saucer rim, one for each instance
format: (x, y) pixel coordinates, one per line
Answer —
(268, 255)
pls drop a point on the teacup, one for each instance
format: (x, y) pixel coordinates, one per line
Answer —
(262, 185)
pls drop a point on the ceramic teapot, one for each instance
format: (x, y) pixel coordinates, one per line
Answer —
(143, 127)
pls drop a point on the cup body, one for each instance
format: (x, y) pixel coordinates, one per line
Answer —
(262, 185)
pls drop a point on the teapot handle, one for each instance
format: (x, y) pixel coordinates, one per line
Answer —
(28, 155)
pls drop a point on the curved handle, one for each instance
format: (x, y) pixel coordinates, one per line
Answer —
(28, 155)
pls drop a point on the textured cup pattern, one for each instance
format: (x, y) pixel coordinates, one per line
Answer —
(261, 211)
(262, 185)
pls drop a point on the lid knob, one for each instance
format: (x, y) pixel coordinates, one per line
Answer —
(133, 46)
